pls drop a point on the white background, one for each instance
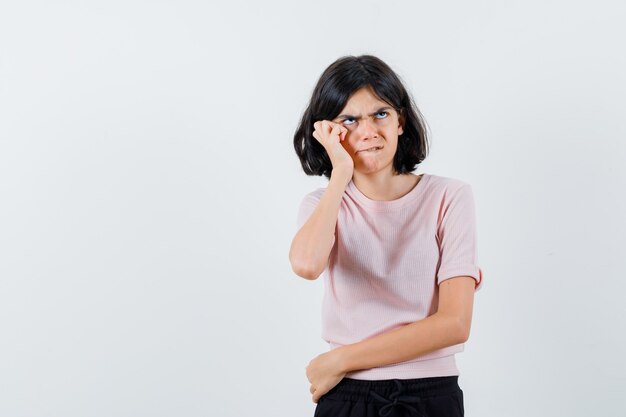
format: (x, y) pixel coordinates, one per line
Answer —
(149, 189)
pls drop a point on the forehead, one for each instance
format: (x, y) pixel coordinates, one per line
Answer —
(363, 99)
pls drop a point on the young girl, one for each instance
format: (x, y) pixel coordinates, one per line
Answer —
(397, 250)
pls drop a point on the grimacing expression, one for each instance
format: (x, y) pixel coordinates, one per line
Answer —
(373, 129)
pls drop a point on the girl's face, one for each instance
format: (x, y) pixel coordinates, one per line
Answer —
(370, 123)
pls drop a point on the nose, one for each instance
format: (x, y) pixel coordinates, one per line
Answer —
(367, 128)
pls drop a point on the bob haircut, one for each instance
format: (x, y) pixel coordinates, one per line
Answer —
(336, 84)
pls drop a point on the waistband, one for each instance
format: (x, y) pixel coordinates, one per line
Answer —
(386, 390)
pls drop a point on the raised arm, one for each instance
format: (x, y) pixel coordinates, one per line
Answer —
(311, 246)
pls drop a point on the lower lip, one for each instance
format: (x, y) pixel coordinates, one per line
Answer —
(372, 151)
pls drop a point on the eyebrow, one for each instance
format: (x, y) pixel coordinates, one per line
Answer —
(348, 116)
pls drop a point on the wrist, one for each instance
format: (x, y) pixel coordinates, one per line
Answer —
(342, 176)
(344, 358)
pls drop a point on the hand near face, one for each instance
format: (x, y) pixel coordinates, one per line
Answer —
(330, 135)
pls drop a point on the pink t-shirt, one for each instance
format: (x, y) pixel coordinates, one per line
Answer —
(387, 260)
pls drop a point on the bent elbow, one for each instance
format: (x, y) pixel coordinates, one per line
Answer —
(463, 332)
(305, 272)
(464, 337)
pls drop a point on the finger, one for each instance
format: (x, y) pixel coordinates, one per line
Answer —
(336, 130)
(326, 126)
(342, 132)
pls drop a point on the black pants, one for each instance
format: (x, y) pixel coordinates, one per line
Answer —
(420, 397)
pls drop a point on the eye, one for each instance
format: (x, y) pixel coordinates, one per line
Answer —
(386, 113)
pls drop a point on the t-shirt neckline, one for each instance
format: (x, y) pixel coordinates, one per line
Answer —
(383, 205)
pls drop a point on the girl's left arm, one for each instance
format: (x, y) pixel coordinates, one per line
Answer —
(450, 325)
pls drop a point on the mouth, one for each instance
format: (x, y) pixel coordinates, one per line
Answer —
(373, 149)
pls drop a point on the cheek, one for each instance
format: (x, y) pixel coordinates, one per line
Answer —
(347, 144)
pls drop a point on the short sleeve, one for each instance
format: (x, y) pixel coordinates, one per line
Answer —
(307, 206)
(457, 237)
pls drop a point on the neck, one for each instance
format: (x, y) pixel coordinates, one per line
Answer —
(385, 187)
